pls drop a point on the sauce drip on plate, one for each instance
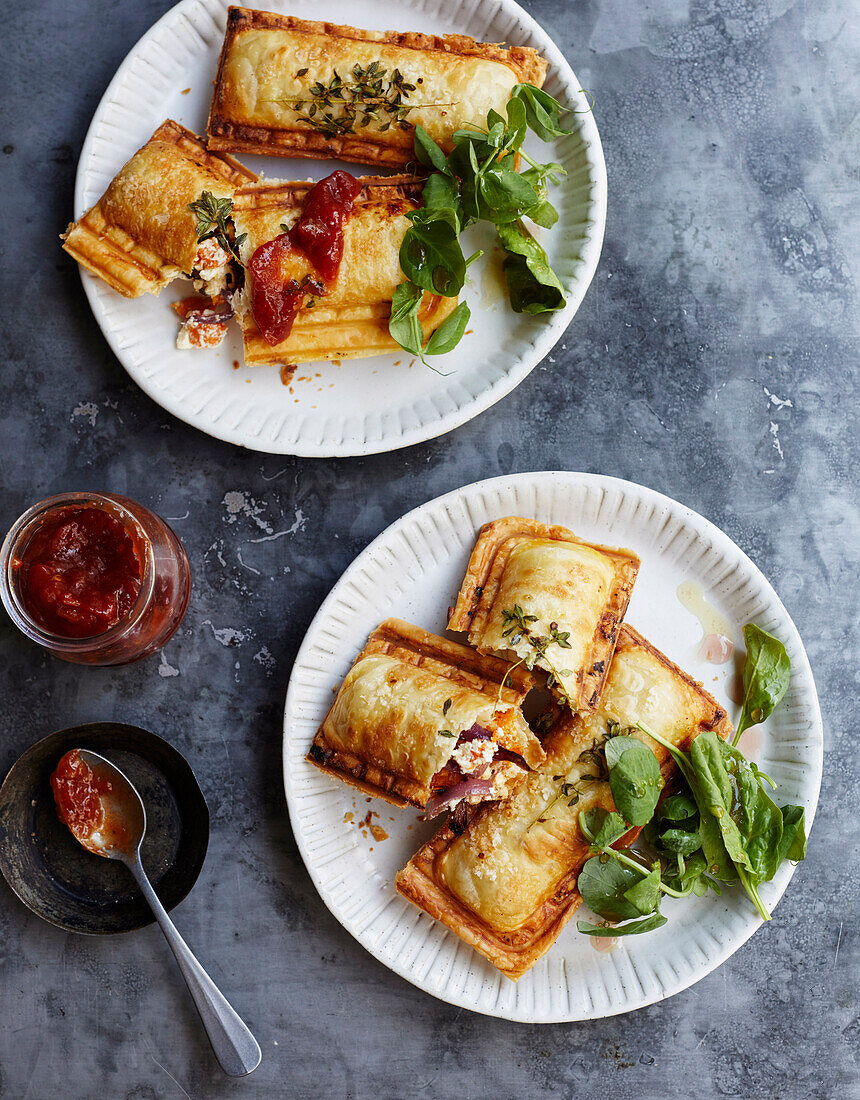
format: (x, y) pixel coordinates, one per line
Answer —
(318, 234)
(82, 796)
(80, 573)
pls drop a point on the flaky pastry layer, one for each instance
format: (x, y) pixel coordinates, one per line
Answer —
(271, 62)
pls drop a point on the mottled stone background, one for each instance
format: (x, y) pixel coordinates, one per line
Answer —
(714, 359)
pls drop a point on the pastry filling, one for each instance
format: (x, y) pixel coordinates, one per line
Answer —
(203, 322)
(479, 768)
(211, 268)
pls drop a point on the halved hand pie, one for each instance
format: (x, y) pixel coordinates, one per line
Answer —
(538, 594)
(141, 235)
(423, 721)
(507, 883)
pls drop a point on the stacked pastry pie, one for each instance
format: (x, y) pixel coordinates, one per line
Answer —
(182, 207)
(425, 721)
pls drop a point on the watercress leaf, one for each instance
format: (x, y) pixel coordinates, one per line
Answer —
(602, 886)
(503, 195)
(792, 844)
(634, 778)
(403, 324)
(428, 153)
(604, 826)
(680, 841)
(517, 124)
(543, 113)
(767, 671)
(496, 131)
(441, 192)
(448, 334)
(677, 807)
(644, 895)
(533, 286)
(430, 254)
(634, 928)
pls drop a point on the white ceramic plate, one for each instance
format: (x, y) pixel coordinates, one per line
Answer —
(413, 570)
(364, 406)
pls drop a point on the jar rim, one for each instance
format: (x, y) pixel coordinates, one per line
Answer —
(24, 527)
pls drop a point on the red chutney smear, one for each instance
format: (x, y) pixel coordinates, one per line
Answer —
(77, 793)
(80, 573)
(318, 233)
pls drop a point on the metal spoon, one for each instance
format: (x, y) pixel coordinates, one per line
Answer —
(235, 1047)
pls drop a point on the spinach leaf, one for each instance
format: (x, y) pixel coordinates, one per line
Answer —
(448, 334)
(543, 113)
(792, 843)
(533, 286)
(634, 778)
(403, 324)
(603, 886)
(430, 254)
(757, 816)
(767, 671)
(634, 928)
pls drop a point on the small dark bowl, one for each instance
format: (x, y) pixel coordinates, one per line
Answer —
(74, 889)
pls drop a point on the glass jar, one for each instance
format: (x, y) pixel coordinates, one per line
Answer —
(152, 613)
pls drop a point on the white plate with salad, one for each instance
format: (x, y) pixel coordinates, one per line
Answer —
(362, 406)
(695, 593)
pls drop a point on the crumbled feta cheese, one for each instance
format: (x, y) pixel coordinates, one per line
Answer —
(210, 268)
(471, 754)
(195, 332)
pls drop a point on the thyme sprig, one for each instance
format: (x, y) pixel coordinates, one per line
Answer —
(213, 216)
(336, 108)
(517, 628)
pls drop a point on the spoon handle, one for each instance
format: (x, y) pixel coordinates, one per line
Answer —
(235, 1047)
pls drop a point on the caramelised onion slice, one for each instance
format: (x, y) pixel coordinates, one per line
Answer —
(452, 795)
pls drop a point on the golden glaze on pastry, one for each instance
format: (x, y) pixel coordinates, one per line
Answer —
(550, 573)
(382, 732)
(140, 234)
(257, 82)
(507, 884)
(351, 320)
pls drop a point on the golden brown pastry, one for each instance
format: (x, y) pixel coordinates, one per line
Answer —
(575, 588)
(274, 92)
(140, 235)
(350, 320)
(423, 721)
(507, 883)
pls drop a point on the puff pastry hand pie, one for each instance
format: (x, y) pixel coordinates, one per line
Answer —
(423, 721)
(528, 582)
(140, 235)
(297, 88)
(347, 317)
(506, 884)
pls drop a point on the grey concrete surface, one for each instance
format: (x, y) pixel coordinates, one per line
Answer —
(714, 359)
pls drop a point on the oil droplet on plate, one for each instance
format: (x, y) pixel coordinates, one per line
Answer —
(716, 645)
(604, 944)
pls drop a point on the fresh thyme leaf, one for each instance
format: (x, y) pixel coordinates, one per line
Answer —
(213, 214)
(446, 733)
(446, 706)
